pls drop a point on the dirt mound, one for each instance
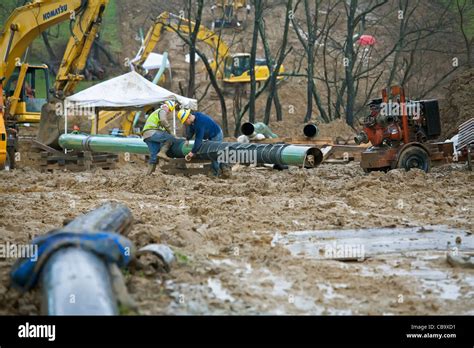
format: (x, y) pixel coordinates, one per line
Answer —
(459, 104)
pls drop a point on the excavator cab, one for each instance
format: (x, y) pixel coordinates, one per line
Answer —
(237, 69)
(27, 91)
(236, 65)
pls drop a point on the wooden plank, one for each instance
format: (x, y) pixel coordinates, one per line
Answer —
(46, 148)
(78, 162)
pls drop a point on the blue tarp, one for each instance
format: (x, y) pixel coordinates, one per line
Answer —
(112, 247)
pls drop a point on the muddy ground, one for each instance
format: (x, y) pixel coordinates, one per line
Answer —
(223, 233)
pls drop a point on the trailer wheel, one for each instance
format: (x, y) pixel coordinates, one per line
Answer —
(414, 158)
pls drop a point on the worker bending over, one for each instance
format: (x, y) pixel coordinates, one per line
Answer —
(203, 127)
(157, 135)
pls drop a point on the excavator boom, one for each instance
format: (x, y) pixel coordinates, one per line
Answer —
(174, 23)
(26, 23)
(85, 31)
(231, 68)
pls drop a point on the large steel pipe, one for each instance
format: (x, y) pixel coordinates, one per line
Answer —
(282, 154)
(252, 129)
(76, 281)
(310, 130)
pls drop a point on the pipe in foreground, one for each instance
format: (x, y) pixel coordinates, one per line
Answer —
(76, 281)
(282, 154)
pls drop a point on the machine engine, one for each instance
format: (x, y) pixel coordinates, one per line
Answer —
(384, 125)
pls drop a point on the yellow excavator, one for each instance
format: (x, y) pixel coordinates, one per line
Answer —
(25, 88)
(230, 13)
(230, 68)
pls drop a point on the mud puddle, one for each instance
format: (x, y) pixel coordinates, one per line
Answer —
(363, 243)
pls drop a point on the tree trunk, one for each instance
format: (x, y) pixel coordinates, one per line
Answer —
(273, 89)
(253, 56)
(52, 55)
(349, 64)
(192, 48)
(213, 80)
(310, 66)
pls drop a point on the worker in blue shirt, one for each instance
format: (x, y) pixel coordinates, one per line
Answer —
(203, 127)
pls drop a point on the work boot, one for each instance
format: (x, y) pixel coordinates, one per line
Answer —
(164, 149)
(226, 171)
(151, 169)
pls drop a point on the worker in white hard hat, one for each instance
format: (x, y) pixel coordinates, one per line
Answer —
(203, 127)
(157, 134)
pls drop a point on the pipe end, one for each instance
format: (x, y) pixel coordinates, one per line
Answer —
(314, 157)
(311, 130)
(247, 129)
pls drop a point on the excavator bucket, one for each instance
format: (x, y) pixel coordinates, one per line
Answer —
(52, 123)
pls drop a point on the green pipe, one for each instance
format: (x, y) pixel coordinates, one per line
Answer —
(283, 154)
(252, 129)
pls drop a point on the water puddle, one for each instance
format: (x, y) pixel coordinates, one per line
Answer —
(219, 292)
(363, 243)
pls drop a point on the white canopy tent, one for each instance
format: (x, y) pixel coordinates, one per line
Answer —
(155, 61)
(129, 91)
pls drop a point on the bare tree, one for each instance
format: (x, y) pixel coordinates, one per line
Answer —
(210, 71)
(307, 39)
(258, 5)
(192, 46)
(275, 69)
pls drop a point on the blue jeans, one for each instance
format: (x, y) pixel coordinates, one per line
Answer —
(155, 142)
(216, 166)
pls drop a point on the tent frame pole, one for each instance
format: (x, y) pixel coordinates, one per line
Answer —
(65, 120)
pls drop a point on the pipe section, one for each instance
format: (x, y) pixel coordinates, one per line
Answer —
(282, 154)
(75, 281)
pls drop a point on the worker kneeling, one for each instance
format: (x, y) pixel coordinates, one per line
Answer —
(203, 127)
(157, 135)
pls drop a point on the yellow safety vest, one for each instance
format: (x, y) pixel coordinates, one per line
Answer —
(153, 122)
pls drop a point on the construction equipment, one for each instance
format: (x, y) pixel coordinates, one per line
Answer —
(27, 86)
(230, 14)
(282, 154)
(230, 68)
(401, 133)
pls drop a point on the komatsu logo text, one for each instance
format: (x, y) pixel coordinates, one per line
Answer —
(54, 13)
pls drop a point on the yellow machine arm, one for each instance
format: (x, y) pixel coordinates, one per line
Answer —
(85, 30)
(26, 23)
(173, 23)
(231, 68)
